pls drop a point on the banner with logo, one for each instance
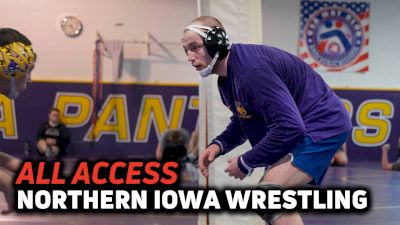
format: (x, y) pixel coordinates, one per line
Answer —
(334, 35)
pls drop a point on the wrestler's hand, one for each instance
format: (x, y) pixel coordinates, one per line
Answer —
(233, 169)
(207, 157)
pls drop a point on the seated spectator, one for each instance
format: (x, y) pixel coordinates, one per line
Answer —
(173, 145)
(340, 158)
(193, 151)
(386, 165)
(52, 137)
(190, 162)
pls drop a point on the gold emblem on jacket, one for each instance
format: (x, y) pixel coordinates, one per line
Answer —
(242, 111)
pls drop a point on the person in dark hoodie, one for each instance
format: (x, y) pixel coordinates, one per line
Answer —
(178, 146)
(53, 137)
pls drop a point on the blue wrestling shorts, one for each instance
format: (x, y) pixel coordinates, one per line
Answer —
(315, 158)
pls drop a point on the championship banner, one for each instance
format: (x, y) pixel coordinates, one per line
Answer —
(334, 35)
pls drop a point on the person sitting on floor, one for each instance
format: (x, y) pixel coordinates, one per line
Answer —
(53, 137)
(386, 165)
(340, 158)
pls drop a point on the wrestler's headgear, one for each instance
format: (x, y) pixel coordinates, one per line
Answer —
(16, 59)
(216, 42)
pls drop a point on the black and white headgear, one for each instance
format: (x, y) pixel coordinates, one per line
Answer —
(216, 42)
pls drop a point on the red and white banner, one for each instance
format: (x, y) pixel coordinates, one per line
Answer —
(334, 35)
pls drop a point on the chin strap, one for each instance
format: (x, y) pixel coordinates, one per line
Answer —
(208, 70)
(13, 94)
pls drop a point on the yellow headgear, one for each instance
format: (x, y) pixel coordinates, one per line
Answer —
(16, 59)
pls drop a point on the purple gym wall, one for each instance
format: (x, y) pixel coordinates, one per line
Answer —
(31, 109)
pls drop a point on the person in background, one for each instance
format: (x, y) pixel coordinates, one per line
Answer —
(190, 162)
(176, 145)
(340, 158)
(386, 165)
(193, 151)
(53, 137)
(173, 145)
